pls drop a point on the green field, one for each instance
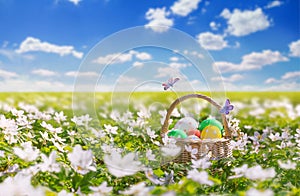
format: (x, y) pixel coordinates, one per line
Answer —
(50, 147)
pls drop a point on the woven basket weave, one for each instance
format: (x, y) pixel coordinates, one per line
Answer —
(218, 148)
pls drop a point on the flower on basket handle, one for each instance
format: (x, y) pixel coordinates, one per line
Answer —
(227, 107)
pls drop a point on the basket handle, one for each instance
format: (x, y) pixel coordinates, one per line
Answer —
(199, 96)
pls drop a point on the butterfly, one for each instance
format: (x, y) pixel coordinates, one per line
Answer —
(168, 179)
(170, 83)
(227, 107)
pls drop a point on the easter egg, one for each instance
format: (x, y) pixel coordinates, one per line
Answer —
(186, 124)
(195, 132)
(193, 137)
(177, 133)
(211, 129)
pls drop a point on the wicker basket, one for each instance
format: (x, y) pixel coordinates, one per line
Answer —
(217, 148)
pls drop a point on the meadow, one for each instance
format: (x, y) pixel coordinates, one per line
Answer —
(51, 146)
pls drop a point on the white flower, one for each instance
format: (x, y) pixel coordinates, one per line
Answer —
(191, 150)
(65, 193)
(58, 139)
(257, 112)
(247, 126)
(297, 135)
(2, 154)
(163, 114)
(203, 163)
(23, 122)
(103, 189)
(30, 171)
(57, 145)
(19, 185)
(81, 160)
(239, 171)
(275, 137)
(51, 128)
(28, 108)
(285, 135)
(27, 152)
(16, 112)
(171, 150)
(115, 115)
(49, 164)
(139, 189)
(254, 192)
(200, 177)
(122, 166)
(98, 133)
(175, 113)
(151, 133)
(238, 145)
(285, 144)
(169, 193)
(150, 156)
(257, 173)
(111, 129)
(258, 137)
(59, 117)
(86, 119)
(71, 132)
(77, 120)
(81, 120)
(287, 165)
(144, 113)
(12, 169)
(9, 129)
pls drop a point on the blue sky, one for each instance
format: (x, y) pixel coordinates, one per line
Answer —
(254, 44)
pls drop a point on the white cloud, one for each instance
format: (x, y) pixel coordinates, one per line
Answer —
(287, 82)
(126, 80)
(114, 58)
(273, 4)
(184, 7)
(214, 26)
(26, 85)
(284, 86)
(290, 75)
(174, 58)
(295, 48)
(266, 57)
(138, 64)
(194, 53)
(12, 55)
(286, 78)
(252, 61)
(158, 20)
(211, 41)
(44, 72)
(143, 56)
(167, 72)
(270, 81)
(177, 65)
(81, 74)
(76, 2)
(31, 44)
(122, 57)
(241, 23)
(7, 74)
(232, 78)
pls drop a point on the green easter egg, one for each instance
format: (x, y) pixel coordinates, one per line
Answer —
(177, 133)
